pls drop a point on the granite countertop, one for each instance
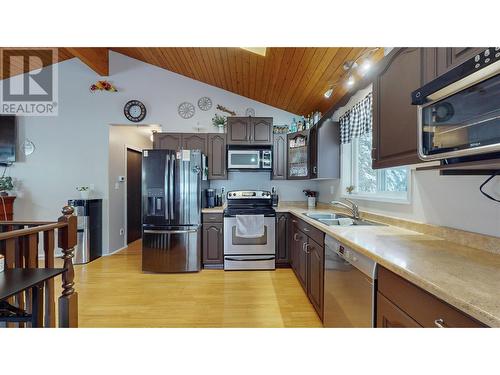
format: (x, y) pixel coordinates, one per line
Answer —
(465, 277)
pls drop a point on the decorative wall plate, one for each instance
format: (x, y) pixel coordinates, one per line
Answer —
(186, 110)
(28, 147)
(205, 103)
(135, 111)
(250, 112)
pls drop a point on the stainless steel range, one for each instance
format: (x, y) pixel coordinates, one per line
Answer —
(249, 252)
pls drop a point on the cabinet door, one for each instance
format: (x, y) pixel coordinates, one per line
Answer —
(282, 252)
(299, 261)
(448, 58)
(238, 130)
(298, 166)
(313, 152)
(216, 155)
(168, 141)
(394, 118)
(194, 141)
(261, 130)
(213, 243)
(391, 316)
(315, 272)
(279, 157)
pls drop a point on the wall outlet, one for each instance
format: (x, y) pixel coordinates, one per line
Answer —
(122, 231)
(117, 186)
(332, 189)
(92, 187)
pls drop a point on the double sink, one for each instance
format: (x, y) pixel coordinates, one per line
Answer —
(333, 219)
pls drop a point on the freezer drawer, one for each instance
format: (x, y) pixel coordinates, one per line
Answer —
(249, 262)
(171, 250)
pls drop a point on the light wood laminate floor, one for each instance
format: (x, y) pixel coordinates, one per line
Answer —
(113, 292)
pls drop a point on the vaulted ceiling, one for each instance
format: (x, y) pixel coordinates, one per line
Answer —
(290, 78)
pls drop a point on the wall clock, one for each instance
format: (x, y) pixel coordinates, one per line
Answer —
(250, 112)
(186, 110)
(134, 111)
(205, 103)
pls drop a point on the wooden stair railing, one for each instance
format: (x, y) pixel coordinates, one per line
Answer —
(19, 241)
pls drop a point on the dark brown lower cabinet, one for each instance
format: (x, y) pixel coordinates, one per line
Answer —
(315, 272)
(282, 248)
(391, 316)
(398, 297)
(307, 258)
(213, 245)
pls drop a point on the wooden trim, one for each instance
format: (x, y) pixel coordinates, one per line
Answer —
(96, 59)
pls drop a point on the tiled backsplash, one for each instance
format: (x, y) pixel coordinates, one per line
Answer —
(287, 190)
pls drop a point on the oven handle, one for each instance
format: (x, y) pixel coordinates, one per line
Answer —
(151, 231)
(249, 259)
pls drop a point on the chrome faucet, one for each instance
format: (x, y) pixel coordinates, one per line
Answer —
(353, 207)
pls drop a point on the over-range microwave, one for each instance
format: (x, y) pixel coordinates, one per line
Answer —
(240, 158)
(459, 112)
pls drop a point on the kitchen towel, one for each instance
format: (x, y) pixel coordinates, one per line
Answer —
(249, 226)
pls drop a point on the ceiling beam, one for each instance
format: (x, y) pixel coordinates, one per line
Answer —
(96, 59)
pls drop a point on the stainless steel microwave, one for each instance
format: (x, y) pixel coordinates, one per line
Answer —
(459, 112)
(249, 158)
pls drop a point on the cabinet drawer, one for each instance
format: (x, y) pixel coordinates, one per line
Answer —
(309, 230)
(426, 309)
(213, 218)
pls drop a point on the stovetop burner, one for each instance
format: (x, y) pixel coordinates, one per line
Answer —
(249, 202)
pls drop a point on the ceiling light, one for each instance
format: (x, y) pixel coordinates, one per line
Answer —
(258, 50)
(351, 81)
(365, 66)
(328, 93)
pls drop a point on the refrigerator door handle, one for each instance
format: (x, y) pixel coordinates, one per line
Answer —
(171, 186)
(166, 188)
(175, 231)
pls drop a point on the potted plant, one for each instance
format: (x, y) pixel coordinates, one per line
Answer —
(84, 191)
(220, 122)
(6, 185)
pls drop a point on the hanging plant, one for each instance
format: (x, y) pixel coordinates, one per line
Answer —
(103, 86)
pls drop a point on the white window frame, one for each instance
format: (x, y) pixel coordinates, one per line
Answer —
(349, 176)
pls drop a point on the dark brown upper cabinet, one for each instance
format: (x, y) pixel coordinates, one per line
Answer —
(216, 155)
(194, 141)
(279, 157)
(325, 150)
(298, 159)
(394, 117)
(261, 130)
(249, 130)
(168, 141)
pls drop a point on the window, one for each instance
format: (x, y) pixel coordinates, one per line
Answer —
(391, 184)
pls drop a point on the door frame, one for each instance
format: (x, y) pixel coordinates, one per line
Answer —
(127, 147)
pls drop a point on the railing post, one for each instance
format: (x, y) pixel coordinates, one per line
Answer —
(68, 301)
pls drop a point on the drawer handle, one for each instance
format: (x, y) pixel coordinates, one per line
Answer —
(295, 237)
(439, 323)
(306, 230)
(294, 221)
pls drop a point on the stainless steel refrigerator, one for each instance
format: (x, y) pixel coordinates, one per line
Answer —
(172, 183)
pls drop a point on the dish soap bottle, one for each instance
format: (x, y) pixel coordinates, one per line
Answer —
(293, 126)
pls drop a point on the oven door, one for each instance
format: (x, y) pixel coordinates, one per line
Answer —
(243, 159)
(234, 245)
(463, 118)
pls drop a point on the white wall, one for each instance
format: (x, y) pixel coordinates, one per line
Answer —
(72, 148)
(121, 137)
(452, 201)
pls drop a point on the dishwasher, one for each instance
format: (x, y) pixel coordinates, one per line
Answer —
(349, 290)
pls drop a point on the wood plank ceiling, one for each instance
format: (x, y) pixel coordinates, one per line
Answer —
(17, 66)
(293, 79)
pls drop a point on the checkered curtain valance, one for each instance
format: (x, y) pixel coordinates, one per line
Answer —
(357, 121)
